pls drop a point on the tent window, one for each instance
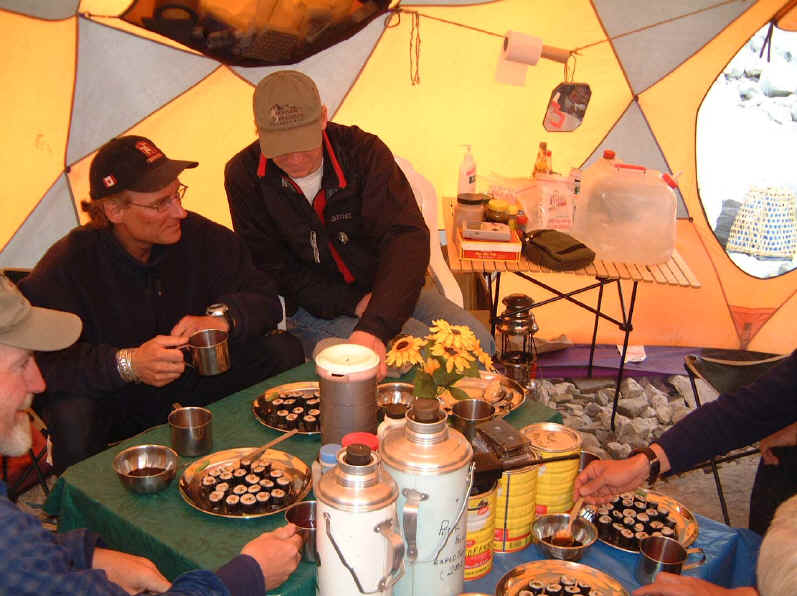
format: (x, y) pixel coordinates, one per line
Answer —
(256, 33)
(746, 142)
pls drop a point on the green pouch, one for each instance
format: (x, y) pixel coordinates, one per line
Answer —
(556, 250)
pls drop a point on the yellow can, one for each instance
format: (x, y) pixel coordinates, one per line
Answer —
(554, 492)
(480, 530)
(514, 509)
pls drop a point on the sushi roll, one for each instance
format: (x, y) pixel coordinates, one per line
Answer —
(248, 504)
(639, 537)
(277, 404)
(308, 424)
(640, 506)
(626, 538)
(655, 533)
(554, 590)
(281, 416)
(663, 511)
(266, 483)
(629, 522)
(669, 522)
(668, 533)
(314, 412)
(629, 513)
(254, 489)
(239, 489)
(298, 410)
(628, 503)
(259, 469)
(274, 474)
(566, 580)
(251, 479)
(246, 464)
(216, 501)
(617, 515)
(263, 500)
(615, 533)
(605, 527)
(233, 504)
(603, 510)
(652, 513)
(638, 527)
(226, 476)
(278, 497)
(570, 590)
(655, 526)
(313, 403)
(536, 587)
(215, 472)
(223, 487)
(643, 518)
(289, 403)
(284, 483)
(291, 421)
(584, 587)
(238, 475)
(208, 484)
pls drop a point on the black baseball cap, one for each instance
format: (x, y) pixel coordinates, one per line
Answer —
(132, 163)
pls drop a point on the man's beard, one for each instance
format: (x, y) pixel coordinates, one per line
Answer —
(18, 441)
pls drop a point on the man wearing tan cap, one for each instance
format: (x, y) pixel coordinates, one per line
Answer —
(143, 276)
(327, 211)
(35, 561)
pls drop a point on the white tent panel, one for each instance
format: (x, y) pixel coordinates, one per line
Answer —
(334, 70)
(51, 10)
(121, 79)
(53, 217)
(649, 55)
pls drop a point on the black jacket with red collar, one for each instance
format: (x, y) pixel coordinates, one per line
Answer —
(372, 237)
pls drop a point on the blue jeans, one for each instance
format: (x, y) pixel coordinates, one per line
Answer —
(431, 305)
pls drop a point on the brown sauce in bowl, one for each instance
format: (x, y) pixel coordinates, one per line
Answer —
(149, 471)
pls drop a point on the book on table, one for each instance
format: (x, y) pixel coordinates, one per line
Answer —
(490, 249)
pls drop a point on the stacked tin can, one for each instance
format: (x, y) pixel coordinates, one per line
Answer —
(480, 531)
(514, 509)
(554, 493)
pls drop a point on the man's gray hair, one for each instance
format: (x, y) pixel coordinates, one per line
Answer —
(777, 560)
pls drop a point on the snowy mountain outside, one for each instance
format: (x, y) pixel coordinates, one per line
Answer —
(746, 146)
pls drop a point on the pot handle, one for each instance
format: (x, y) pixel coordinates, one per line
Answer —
(409, 520)
(695, 551)
(397, 551)
(462, 508)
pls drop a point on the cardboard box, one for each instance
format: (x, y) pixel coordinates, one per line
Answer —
(490, 249)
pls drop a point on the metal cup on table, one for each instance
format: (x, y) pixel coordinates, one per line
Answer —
(191, 430)
(468, 413)
(659, 553)
(210, 351)
(302, 515)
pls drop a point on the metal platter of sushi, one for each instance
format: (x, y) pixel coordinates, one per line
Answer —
(560, 578)
(503, 393)
(639, 514)
(228, 484)
(289, 406)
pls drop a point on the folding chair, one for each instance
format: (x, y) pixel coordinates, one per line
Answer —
(725, 371)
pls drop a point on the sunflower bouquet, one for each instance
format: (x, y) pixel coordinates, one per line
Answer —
(442, 358)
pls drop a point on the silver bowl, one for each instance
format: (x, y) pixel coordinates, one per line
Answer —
(546, 526)
(145, 469)
(394, 393)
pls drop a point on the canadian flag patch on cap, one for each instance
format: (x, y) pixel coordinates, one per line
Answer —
(149, 150)
(109, 181)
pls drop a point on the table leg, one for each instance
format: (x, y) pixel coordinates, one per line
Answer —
(627, 327)
(595, 332)
(494, 299)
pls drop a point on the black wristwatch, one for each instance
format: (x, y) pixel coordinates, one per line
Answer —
(221, 310)
(653, 460)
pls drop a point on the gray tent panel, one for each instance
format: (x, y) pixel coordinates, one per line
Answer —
(650, 55)
(633, 142)
(51, 10)
(52, 218)
(120, 80)
(334, 70)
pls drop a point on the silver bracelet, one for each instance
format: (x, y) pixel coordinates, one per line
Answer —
(124, 365)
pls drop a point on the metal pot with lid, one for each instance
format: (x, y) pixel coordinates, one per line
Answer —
(432, 465)
(359, 548)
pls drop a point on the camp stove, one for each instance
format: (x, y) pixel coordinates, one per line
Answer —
(518, 356)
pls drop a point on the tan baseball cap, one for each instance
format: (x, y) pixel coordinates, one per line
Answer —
(288, 113)
(33, 328)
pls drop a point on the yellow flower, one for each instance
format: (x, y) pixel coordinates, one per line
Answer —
(432, 364)
(455, 359)
(456, 336)
(482, 356)
(406, 350)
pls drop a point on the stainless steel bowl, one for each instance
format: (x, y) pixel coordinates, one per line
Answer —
(547, 525)
(394, 393)
(130, 463)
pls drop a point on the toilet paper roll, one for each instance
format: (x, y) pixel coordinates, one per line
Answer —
(520, 47)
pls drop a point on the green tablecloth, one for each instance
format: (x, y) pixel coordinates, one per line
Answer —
(162, 526)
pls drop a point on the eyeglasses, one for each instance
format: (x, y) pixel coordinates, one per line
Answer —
(163, 204)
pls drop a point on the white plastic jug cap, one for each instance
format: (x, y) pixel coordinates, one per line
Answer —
(346, 359)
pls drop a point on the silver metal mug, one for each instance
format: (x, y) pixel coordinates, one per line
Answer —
(659, 553)
(210, 351)
(302, 515)
(191, 431)
(467, 413)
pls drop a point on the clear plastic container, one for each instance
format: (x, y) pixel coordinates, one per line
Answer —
(469, 209)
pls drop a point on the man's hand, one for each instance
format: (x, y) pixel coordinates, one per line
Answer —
(190, 324)
(362, 305)
(278, 553)
(363, 338)
(785, 437)
(134, 574)
(669, 584)
(602, 480)
(158, 362)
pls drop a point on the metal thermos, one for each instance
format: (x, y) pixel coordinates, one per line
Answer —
(432, 465)
(347, 383)
(359, 548)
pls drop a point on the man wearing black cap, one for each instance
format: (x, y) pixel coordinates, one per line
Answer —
(35, 561)
(143, 277)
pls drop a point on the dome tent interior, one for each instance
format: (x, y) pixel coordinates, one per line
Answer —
(82, 74)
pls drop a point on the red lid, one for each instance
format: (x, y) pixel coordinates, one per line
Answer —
(362, 438)
(608, 154)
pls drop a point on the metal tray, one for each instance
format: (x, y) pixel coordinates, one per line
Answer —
(505, 394)
(550, 570)
(305, 387)
(294, 468)
(686, 525)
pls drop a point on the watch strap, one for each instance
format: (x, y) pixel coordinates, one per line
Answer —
(653, 460)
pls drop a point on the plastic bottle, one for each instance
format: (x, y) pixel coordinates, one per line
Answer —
(326, 460)
(467, 174)
(394, 418)
(539, 162)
